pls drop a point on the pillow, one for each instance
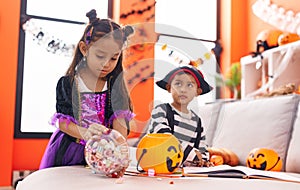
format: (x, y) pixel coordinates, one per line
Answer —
(209, 116)
(258, 123)
(293, 154)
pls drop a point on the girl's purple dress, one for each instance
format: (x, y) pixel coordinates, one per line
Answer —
(81, 108)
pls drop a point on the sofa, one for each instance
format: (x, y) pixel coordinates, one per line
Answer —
(239, 125)
(242, 125)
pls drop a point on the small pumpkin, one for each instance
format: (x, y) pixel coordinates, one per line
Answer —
(264, 159)
(227, 155)
(216, 160)
(160, 152)
(267, 39)
(287, 37)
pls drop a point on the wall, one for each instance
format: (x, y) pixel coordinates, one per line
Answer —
(233, 22)
(139, 58)
(16, 154)
(238, 20)
(8, 51)
(239, 28)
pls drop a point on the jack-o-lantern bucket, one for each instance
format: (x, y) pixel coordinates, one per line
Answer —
(264, 159)
(160, 152)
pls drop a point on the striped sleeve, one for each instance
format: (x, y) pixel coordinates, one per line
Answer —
(159, 122)
(203, 147)
(189, 146)
(190, 152)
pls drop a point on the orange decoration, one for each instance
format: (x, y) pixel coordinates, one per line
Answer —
(269, 36)
(216, 160)
(287, 37)
(160, 152)
(229, 157)
(264, 159)
(164, 47)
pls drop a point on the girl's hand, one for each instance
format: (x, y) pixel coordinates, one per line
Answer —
(93, 130)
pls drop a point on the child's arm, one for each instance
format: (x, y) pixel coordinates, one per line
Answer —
(120, 121)
(159, 122)
(195, 156)
(193, 153)
(80, 132)
(120, 125)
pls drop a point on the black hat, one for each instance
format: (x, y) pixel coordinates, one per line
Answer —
(190, 70)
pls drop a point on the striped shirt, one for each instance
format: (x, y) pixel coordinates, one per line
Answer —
(187, 129)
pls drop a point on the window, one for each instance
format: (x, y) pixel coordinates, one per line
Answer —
(45, 52)
(187, 31)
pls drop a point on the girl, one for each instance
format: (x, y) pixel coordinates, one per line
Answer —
(92, 96)
(184, 83)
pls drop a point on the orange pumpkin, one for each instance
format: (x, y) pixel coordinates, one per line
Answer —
(267, 39)
(216, 160)
(264, 159)
(287, 37)
(160, 152)
(270, 36)
(229, 157)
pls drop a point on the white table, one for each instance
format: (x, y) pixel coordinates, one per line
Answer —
(80, 178)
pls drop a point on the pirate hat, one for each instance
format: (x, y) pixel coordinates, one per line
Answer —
(189, 70)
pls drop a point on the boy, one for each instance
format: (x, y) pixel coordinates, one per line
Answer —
(184, 83)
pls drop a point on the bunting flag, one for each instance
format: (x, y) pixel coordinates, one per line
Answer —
(179, 58)
(44, 39)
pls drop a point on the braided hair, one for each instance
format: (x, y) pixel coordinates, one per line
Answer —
(118, 96)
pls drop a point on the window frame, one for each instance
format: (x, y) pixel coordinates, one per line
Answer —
(18, 133)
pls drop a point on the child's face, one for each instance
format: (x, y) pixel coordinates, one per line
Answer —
(183, 89)
(102, 56)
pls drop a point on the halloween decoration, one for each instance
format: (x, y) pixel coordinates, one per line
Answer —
(216, 160)
(264, 159)
(160, 152)
(287, 37)
(108, 153)
(289, 88)
(277, 16)
(267, 39)
(44, 39)
(228, 156)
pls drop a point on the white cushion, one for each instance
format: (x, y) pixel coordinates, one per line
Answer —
(209, 116)
(293, 154)
(259, 123)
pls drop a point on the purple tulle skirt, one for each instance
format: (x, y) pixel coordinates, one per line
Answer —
(64, 150)
(72, 153)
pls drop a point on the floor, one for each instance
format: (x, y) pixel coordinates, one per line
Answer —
(6, 188)
(17, 175)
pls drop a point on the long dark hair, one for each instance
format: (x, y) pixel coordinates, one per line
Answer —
(118, 97)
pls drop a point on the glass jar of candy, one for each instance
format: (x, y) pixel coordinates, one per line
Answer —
(108, 153)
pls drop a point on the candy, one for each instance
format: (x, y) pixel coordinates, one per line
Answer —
(151, 172)
(107, 154)
(120, 180)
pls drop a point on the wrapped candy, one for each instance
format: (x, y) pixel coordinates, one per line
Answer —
(108, 153)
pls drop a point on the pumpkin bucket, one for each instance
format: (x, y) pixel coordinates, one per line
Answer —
(160, 152)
